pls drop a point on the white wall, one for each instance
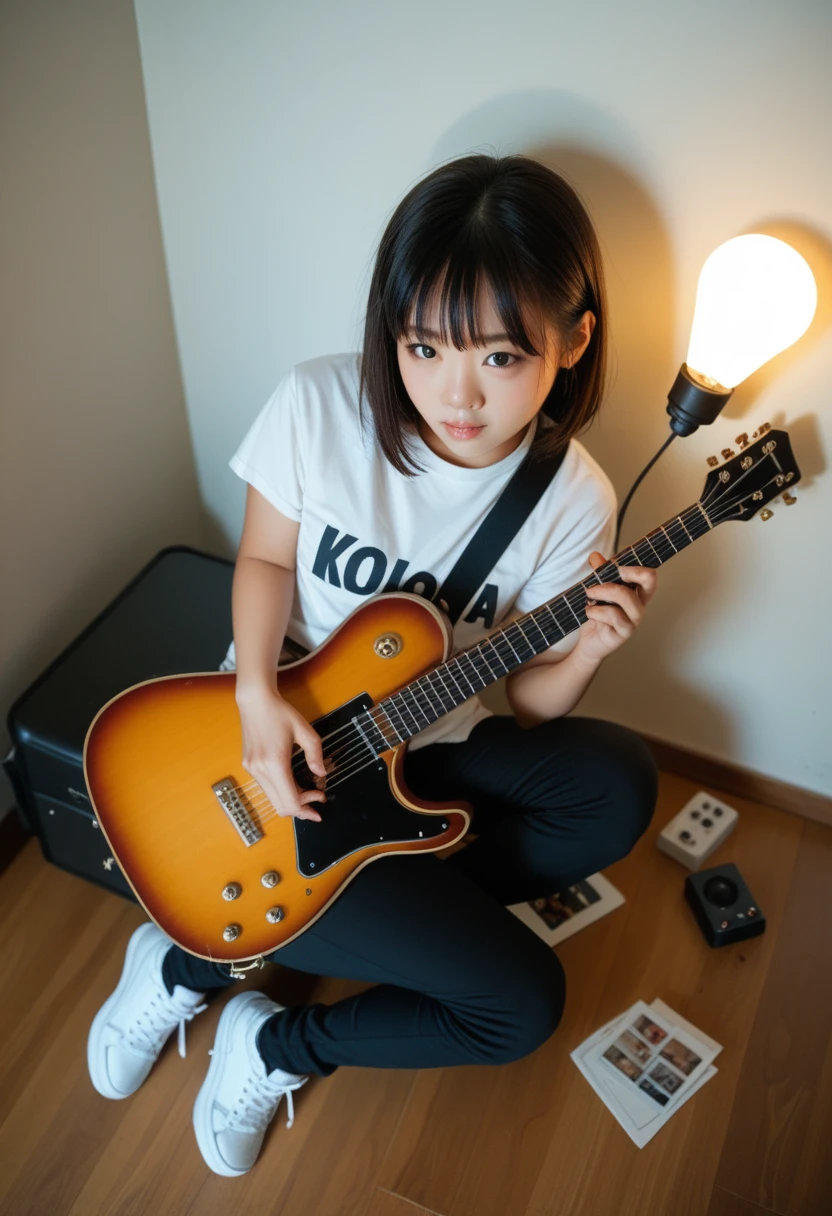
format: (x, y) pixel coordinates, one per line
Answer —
(282, 137)
(96, 464)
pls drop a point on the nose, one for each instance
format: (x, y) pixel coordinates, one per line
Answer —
(460, 389)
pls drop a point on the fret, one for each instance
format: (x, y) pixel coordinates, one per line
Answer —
(460, 693)
(647, 539)
(682, 522)
(697, 521)
(469, 669)
(447, 697)
(507, 640)
(400, 695)
(390, 720)
(455, 694)
(699, 506)
(675, 550)
(540, 620)
(516, 624)
(658, 541)
(414, 690)
(496, 651)
(457, 659)
(551, 612)
(356, 721)
(468, 663)
(535, 648)
(404, 730)
(436, 691)
(471, 655)
(507, 654)
(677, 535)
(418, 693)
(566, 625)
(522, 641)
(572, 610)
(425, 687)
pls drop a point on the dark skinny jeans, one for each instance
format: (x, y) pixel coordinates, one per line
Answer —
(459, 979)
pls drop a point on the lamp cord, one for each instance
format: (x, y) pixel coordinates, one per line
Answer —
(638, 482)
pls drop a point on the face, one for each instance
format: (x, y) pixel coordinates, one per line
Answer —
(475, 405)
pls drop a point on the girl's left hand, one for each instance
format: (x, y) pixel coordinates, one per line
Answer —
(614, 611)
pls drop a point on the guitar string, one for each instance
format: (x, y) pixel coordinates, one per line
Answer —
(361, 744)
(299, 759)
(432, 695)
(357, 743)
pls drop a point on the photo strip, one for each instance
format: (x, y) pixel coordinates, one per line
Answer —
(557, 916)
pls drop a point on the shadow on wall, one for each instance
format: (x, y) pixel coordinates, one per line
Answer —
(600, 159)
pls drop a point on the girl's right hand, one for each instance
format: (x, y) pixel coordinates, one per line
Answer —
(271, 728)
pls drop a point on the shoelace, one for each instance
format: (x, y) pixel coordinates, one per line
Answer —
(256, 1103)
(155, 1023)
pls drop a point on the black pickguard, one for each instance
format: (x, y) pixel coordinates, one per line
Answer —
(360, 811)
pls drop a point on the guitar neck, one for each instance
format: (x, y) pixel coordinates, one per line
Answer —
(422, 702)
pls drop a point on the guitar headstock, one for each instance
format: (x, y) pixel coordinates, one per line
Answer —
(751, 478)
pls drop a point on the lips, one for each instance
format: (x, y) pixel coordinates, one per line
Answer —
(462, 432)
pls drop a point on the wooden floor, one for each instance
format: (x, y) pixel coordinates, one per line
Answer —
(525, 1139)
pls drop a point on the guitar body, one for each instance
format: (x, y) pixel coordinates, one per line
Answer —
(197, 857)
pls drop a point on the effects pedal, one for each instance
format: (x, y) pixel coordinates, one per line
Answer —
(723, 905)
(699, 828)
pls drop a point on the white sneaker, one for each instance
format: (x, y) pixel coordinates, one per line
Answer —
(133, 1025)
(238, 1098)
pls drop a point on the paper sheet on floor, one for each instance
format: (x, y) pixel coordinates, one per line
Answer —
(666, 1059)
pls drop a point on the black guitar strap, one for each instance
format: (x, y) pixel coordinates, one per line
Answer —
(496, 532)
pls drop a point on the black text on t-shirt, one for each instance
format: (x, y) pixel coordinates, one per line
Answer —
(365, 570)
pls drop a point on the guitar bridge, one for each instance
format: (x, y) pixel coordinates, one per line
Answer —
(235, 808)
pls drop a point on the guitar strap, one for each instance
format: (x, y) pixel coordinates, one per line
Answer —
(496, 532)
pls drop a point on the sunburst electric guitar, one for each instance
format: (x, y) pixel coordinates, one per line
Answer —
(208, 857)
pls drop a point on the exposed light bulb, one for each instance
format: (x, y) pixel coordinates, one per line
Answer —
(756, 296)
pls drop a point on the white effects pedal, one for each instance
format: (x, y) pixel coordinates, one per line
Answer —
(699, 829)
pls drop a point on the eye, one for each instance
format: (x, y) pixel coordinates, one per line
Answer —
(504, 359)
(428, 351)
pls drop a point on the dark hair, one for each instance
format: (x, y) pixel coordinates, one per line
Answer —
(505, 222)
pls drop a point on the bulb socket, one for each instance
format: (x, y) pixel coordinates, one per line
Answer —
(692, 404)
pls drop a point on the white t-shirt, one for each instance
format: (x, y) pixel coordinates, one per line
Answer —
(366, 528)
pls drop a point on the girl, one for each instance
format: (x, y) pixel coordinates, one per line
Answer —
(484, 341)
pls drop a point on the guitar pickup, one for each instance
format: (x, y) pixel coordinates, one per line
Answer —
(230, 800)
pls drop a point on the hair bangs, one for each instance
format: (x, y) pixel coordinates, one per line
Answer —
(446, 298)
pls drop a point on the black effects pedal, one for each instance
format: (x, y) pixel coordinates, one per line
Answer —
(724, 907)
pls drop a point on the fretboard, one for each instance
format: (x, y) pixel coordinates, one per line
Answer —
(426, 699)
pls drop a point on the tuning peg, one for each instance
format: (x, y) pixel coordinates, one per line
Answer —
(766, 514)
(713, 461)
(742, 440)
(761, 430)
(728, 453)
(788, 498)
